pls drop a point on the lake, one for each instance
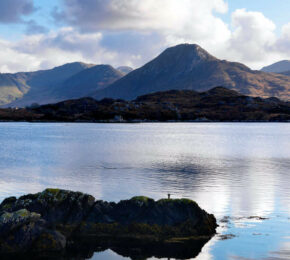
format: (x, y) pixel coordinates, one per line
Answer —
(237, 171)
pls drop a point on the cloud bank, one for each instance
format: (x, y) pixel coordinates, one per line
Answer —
(131, 32)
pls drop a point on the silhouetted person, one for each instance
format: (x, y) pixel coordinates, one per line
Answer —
(168, 196)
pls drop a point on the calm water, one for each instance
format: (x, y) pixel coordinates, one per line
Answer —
(236, 170)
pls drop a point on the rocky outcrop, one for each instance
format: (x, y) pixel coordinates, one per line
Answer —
(66, 222)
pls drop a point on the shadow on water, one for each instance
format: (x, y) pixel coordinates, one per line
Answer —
(133, 249)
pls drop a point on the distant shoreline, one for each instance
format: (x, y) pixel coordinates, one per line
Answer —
(139, 122)
(216, 105)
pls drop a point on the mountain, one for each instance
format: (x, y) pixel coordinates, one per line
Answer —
(188, 66)
(125, 69)
(12, 86)
(72, 80)
(217, 104)
(185, 66)
(25, 88)
(87, 81)
(278, 67)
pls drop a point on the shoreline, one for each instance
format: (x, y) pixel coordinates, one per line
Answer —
(139, 122)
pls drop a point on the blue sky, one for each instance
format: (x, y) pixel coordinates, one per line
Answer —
(276, 10)
(42, 34)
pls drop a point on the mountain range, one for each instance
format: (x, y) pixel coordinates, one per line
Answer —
(183, 67)
(188, 66)
(72, 80)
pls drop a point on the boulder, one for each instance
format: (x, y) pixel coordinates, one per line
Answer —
(22, 231)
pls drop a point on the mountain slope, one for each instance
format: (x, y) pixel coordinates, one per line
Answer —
(278, 67)
(188, 66)
(42, 84)
(12, 86)
(88, 81)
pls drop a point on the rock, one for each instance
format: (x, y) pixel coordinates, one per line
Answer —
(54, 205)
(64, 221)
(22, 231)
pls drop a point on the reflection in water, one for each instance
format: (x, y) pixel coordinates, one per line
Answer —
(93, 250)
(236, 170)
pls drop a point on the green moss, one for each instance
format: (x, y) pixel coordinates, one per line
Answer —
(22, 213)
(142, 199)
(52, 191)
(176, 201)
(52, 194)
(187, 201)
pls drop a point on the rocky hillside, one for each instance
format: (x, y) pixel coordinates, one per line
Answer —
(217, 104)
(188, 66)
(73, 80)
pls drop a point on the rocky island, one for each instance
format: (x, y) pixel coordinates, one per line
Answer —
(62, 224)
(216, 105)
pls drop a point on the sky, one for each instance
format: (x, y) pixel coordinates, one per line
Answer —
(41, 34)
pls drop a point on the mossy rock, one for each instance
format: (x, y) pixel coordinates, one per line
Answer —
(18, 216)
(142, 199)
(56, 215)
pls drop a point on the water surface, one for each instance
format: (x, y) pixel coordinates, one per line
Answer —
(230, 169)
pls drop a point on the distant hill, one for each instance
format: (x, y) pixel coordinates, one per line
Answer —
(217, 104)
(72, 80)
(29, 87)
(188, 66)
(278, 67)
(88, 81)
(125, 69)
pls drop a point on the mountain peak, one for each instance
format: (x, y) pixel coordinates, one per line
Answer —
(74, 65)
(189, 51)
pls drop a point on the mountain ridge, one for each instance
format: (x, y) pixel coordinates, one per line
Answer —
(60, 83)
(184, 66)
(188, 66)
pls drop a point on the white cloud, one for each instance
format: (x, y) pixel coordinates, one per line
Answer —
(42, 51)
(252, 38)
(174, 21)
(283, 44)
(90, 15)
(131, 32)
